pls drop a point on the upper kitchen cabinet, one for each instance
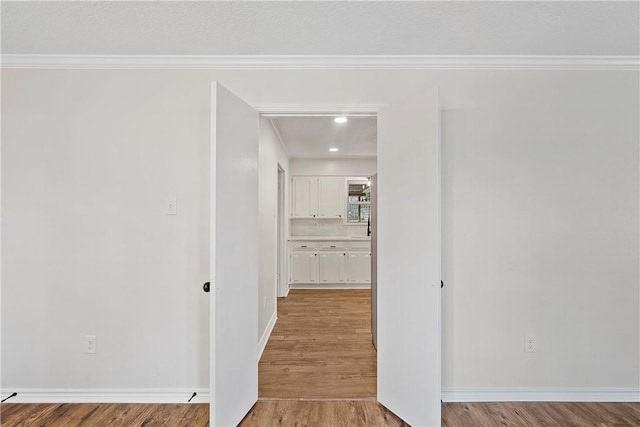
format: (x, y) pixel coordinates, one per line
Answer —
(330, 197)
(317, 197)
(304, 200)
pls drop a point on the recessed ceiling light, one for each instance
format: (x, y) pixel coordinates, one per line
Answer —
(340, 120)
(333, 149)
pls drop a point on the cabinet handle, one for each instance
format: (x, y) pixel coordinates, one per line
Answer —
(206, 287)
(315, 254)
(332, 246)
(303, 246)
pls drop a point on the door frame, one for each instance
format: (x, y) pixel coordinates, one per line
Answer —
(282, 288)
(317, 110)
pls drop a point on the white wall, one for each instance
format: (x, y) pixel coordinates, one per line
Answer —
(88, 158)
(540, 222)
(271, 154)
(87, 247)
(335, 167)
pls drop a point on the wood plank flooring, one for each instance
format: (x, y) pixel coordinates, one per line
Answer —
(334, 413)
(541, 414)
(359, 413)
(103, 414)
(320, 347)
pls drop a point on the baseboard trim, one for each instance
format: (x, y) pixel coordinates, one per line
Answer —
(267, 333)
(605, 394)
(107, 396)
(448, 394)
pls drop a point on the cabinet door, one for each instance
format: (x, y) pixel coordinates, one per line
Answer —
(359, 267)
(304, 267)
(331, 195)
(333, 267)
(304, 200)
(314, 277)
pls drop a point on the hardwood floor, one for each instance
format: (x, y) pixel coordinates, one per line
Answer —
(542, 414)
(334, 413)
(320, 347)
(359, 413)
(103, 414)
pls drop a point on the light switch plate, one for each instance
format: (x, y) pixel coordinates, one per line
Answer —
(171, 206)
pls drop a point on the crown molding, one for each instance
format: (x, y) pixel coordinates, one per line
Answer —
(302, 62)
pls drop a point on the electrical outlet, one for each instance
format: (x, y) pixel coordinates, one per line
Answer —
(90, 344)
(529, 343)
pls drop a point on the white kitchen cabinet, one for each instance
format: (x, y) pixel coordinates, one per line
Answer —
(304, 200)
(359, 267)
(333, 267)
(331, 195)
(331, 263)
(317, 197)
(304, 267)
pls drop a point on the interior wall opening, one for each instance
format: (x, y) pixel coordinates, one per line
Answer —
(322, 345)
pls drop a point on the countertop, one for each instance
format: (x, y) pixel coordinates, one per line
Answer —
(324, 238)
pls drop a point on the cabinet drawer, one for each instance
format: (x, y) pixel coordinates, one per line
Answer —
(303, 245)
(360, 246)
(332, 246)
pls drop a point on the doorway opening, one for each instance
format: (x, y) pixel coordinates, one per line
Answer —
(322, 345)
(408, 154)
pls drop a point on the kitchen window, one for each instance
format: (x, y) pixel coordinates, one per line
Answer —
(358, 201)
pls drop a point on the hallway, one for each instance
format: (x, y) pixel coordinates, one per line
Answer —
(320, 347)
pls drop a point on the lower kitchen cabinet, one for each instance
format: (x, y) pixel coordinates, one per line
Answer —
(333, 267)
(359, 267)
(304, 267)
(332, 263)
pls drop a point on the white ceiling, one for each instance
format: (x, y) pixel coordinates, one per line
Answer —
(311, 137)
(321, 28)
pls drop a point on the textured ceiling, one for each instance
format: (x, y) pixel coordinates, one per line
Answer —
(311, 137)
(321, 28)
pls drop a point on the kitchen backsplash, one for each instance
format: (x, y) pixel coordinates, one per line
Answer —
(323, 227)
